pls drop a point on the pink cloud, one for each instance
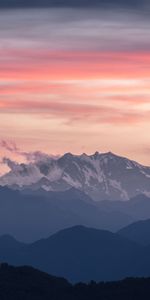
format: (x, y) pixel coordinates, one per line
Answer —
(43, 64)
(72, 112)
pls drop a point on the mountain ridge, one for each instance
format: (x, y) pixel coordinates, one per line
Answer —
(101, 175)
(29, 283)
(137, 232)
(82, 253)
(48, 212)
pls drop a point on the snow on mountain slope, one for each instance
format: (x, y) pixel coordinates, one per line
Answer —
(101, 175)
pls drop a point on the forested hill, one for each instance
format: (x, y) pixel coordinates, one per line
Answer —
(27, 283)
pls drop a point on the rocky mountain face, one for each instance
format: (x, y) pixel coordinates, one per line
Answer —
(102, 176)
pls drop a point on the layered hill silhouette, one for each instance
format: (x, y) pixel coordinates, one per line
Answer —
(48, 212)
(138, 232)
(31, 215)
(80, 254)
(28, 283)
(138, 207)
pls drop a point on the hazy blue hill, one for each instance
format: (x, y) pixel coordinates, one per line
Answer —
(10, 249)
(85, 254)
(7, 241)
(137, 207)
(138, 232)
(21, 213)
(80, 254)
(48, 212)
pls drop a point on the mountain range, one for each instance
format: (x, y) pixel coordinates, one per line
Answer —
(81, 254)
(31, 215)
(101, 176)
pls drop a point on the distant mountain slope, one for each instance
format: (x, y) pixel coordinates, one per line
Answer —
(138, 232)
(7, 241)
(29, 216)
(82, 254)
(100, 176)
(138, 207)
(9, 247)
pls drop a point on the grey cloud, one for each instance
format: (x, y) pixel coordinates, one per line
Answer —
(14, 166)
(10, 146)
(92, 30)
(34, 156)
(132, 4)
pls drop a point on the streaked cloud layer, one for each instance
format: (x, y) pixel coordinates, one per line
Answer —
(67, 75)
(132, 4)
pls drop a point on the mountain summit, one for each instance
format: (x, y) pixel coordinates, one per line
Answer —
(101, 176)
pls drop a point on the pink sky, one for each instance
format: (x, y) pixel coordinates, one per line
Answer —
(75, 86)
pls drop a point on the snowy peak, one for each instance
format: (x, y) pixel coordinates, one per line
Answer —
(101, 175)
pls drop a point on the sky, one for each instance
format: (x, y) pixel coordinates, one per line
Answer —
(75, 80)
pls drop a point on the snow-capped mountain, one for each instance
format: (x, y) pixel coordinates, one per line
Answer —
(101, 175)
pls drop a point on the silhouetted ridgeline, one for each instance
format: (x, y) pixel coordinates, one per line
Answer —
(27, 283)
(138, 232)
(48, 212)
(80, 254)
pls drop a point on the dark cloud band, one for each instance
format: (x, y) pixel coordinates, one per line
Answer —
(135, 4)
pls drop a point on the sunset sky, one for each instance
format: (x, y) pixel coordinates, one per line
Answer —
(75, 80)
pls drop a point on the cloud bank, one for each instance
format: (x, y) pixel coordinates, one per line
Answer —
(67, 74)
(132, 4)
